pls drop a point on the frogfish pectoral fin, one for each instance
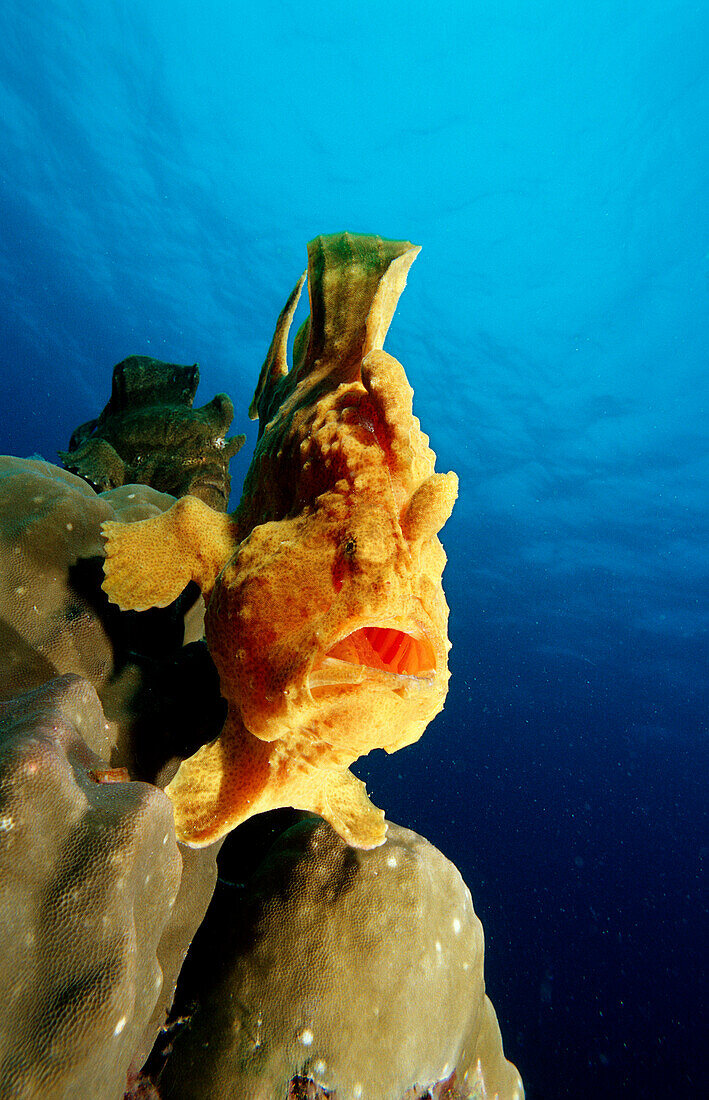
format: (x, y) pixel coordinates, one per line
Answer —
(342, 800)
(221, 785)
(237, 776)
(150, 562)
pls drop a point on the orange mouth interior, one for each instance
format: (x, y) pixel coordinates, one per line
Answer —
(387, 649)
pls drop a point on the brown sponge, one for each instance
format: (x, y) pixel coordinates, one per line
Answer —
(150, 433)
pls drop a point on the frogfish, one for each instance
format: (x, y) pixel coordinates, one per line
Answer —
(325, 612)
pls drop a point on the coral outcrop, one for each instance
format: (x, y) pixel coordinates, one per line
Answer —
(326, 617)
(89, 873)
(360, 971)
(55, 619)
(148, 433)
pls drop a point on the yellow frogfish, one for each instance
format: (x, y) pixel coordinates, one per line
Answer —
(326, 617)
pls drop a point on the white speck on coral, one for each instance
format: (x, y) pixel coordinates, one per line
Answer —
(70, 526)
(120, 1025)
(164, 839)
(6, 823)
(306, 1037)
(438, 946)
(131, 496)
(357, 1091)
(219, 443)
(466, 966)
(319, 1066)
(20, 591)
(391, 862)
(456, 925)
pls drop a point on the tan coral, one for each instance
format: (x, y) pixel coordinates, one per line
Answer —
(360, 971)
(50, 521)
(53, 621)
(326, 617)
(89, 877)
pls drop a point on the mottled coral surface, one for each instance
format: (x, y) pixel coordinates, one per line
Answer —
(55, 620)
(89, 873)
(361, 972)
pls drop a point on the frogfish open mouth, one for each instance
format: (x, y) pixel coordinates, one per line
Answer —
(326, 617)
(375, 652)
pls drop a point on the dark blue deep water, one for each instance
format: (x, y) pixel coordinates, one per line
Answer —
(162, 166)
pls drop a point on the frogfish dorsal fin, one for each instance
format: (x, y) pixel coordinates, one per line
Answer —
(276, 362)
(354, 284)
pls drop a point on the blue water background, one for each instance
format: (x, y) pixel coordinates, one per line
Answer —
(162, 167)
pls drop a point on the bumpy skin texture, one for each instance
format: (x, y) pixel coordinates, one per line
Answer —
(326, 617)
(360, 970)
(149, 433)
(89, 872)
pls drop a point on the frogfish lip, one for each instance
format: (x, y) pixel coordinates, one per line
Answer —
(393, 656)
